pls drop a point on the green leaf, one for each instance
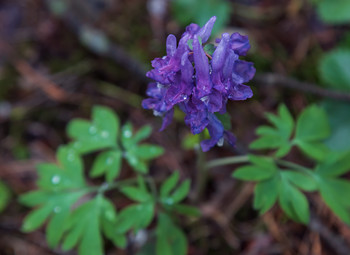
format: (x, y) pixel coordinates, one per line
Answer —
(57, 205)
(334, 12)
(181, 192)
(225, 119)
(136, 194)
(137, 164)
(253, 173)
(276, 137)
(210, 48)
(99, 134)
(315, 150)
(135, 217)
(169, 184)
(142, 134)
(294, 203)
(109, 163)
(5, 196)
(200, 11)
(332, 192)
(333, 69)
(265, 194)
(338, 114)
(147, 151)
(335, 164)
(126, 136)
(303, 181)
(186, 209)
(170, 239)
(262, 169)
(108, 224)
(312, 125)
(84, 228)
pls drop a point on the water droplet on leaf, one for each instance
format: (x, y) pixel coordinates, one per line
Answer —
(92, 130)
(55, 179)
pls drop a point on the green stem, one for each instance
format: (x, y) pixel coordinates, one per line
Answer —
(201, 173)
(227, 161)
(294, 166)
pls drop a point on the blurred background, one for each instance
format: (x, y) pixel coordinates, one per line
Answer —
(58, 58)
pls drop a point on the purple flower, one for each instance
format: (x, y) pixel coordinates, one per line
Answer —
(198, 82)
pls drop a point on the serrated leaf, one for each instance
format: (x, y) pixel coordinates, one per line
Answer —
(294, 203)
(5, 196)
(170, 239)
(312, 125)
(181, 192)
(266, 194)
(109, 163)
(136, 194)
(303, 181)
(169, 184)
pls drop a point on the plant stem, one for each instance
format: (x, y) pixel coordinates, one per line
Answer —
(201, 173)
(227, 161)
(294, 166)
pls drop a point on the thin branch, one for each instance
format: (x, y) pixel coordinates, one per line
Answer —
(272, 79)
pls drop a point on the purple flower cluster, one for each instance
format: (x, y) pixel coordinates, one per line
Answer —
(199, 82)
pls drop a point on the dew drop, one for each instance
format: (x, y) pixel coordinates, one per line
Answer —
(127, 134)
(92, 130)
(109, 215)
(55, 179)
(57, 209)
(71, 157)
(220, 142)
(169, 201)
(104, 134)
(109, 161)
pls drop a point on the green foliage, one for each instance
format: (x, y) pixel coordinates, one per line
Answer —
(311, 128)
(5, 196)
(102, 133)
(200, 11)
(78, 215)
(170, 239)
(277, 137)
(333, 68)
(171, 195)
(333, 12)
(332, 187)
(338, 114)
(274, 184)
